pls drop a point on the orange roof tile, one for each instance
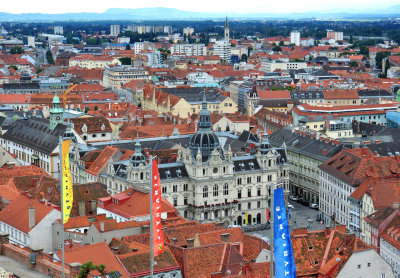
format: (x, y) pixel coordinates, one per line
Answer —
(16, 214)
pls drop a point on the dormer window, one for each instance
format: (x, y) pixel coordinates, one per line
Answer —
(251, 164)
(179, 173)
(168, 174)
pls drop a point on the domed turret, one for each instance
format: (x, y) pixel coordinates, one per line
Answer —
(265, 146)
(204, 139)
(138, 157)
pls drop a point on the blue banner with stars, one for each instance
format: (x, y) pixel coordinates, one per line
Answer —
(283, 252)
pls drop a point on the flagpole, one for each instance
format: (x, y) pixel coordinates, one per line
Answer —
(151, 217)
(271, 241)
(62, 208)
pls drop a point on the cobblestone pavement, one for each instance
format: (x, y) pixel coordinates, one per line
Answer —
(300, 217)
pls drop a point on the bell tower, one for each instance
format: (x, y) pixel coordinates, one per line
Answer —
(56, 113)
(226, 33)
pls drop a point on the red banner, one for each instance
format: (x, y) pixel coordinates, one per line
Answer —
(267, 215)
(158, 237)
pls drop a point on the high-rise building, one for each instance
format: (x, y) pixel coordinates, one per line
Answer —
(295, 37)
(337, 36)
(58, 30)
(223, 50)
(188, 31)
(114, 30)
(168, 29)
(226, 33)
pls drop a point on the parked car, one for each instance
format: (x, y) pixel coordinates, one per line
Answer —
(314, 205)
(294, 198)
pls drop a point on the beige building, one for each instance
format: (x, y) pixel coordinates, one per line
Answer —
(91, 61)
(185, 101)
(116, 77)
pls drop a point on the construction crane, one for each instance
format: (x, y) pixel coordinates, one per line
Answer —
(64, 95)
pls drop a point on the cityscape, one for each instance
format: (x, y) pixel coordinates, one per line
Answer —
(160, 141)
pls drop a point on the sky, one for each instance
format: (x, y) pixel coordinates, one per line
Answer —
(225, 6)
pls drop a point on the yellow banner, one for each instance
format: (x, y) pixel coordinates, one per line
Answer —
(246, 219)
(66, 182)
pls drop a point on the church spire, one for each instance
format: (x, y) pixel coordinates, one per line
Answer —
(226, 33)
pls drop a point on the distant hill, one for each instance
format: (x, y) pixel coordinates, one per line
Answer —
(160, 13)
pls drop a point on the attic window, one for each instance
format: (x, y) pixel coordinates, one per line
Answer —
(168, 174)
(310, 248)
(316, 262)
(179, 173)
(251, 164)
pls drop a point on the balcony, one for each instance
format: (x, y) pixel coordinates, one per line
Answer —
(211, 207)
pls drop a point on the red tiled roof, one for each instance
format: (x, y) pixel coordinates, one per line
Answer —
(16, 214)
(391, 233)
(98, 253)
(340, 94)
(353, 166)
(132, 203)
(93, 124)
(273, 94)
(101, 160)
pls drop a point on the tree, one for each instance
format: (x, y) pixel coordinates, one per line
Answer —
(364, 50)
(96, 108)
(353, 64)
(126, 61)
(16, 50)
(249, 49)
(281, 43)
(14, 67)
(86, 109)
(49, 57)
(244, 57)
(128, 46)
(87, 267)
(277, 48)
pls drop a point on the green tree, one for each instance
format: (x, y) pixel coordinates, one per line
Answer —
(16, 50)
(244, 57)
(281, 43)
(277, 48)
(126, 61)
(49, 57)
(128, 46)
(13, 66)
(353, 64)
(96, 108)
(364, 50)
(249, 49)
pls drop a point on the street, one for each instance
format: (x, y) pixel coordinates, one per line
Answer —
(300, 217)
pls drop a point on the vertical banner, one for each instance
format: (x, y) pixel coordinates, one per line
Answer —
(246, 218)
(267, 215)
(66, 182)
(158, 237)
(283, 251)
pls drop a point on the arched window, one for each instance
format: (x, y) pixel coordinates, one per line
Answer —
(205, 192)
(226, 189)
(215, 191)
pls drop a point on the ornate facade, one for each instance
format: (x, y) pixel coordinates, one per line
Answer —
(208, 181)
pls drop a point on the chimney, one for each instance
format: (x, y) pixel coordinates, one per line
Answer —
(225, 237)
(82, 208)
(101, 226)
(190, 242)
(145, 229)
(31, 217)
(174, 240)
(324, 151)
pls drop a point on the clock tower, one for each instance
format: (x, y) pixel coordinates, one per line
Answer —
(56, 113)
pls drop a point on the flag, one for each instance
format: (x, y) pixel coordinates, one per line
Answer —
(283, 251)
(67, 189)
(246, 219)
(267, 215)
(158, 237)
